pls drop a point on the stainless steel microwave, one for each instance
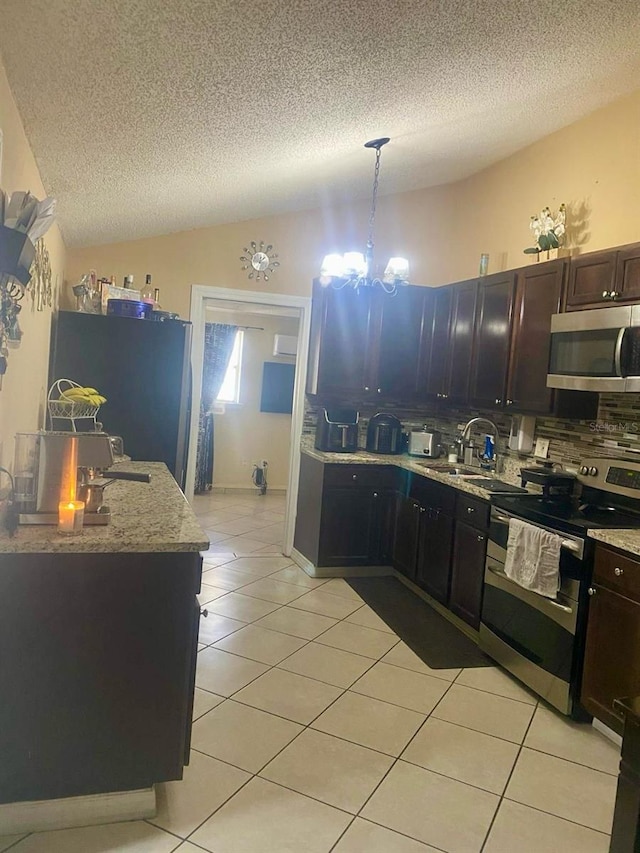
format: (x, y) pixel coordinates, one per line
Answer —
(596, 350)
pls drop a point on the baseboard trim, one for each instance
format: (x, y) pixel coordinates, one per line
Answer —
(338, 571)
(42, 815)
(599, 726)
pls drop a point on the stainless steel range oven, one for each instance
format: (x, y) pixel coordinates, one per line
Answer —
(532, 636)
(541, 640)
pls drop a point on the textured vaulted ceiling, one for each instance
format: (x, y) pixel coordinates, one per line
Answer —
(150, 116)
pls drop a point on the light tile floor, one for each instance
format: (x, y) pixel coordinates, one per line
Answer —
(316, 729)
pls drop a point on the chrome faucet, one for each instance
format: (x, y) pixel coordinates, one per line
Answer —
(466, 430)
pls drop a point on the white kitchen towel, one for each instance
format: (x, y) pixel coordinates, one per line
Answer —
(533, 558)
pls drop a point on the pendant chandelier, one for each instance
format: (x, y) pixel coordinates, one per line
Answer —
(354, 269)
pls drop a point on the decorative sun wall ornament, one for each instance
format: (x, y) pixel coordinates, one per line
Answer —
(259, 259)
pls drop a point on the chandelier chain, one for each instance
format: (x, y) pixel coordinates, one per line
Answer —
(374, 198)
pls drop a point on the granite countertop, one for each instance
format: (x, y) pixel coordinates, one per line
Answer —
(145, 517)
(625, 540)
(510, 474)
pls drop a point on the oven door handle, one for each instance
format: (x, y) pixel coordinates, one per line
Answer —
(550, 601)
(499, 517)
(567, 544)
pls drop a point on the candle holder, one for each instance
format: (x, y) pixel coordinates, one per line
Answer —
(70, 517)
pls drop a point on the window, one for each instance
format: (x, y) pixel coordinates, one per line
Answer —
(230, 389)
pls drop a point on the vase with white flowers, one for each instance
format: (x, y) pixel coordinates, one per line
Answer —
(549, 231)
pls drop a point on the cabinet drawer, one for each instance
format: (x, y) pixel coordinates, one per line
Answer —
(618, 573)
(362, 476)
(473, 511)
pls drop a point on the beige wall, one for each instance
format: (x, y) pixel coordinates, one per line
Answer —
(24, 387)
(243, 434)
(593, 166)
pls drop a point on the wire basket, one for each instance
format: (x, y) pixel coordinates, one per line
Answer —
(69, 409)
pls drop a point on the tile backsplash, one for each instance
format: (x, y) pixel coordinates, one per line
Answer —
(615, 431)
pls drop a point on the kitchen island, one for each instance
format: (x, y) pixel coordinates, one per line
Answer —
(98, 644)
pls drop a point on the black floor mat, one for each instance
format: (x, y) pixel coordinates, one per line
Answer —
(435, 640)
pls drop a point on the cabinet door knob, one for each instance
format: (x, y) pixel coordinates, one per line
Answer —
(379, 390)
(366, 387)
(354, 476)
(204, 612)
(422, 508)
(509, 402)
(591, 590)
(375, 494)
(618, 571)
(605, 294)
(480, 538)
(470, 509)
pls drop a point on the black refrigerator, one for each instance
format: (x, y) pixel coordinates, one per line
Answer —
(143, 368)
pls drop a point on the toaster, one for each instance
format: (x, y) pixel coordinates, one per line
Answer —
(423, 443)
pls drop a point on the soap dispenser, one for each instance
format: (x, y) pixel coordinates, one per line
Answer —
(469, 452)
(489, 452)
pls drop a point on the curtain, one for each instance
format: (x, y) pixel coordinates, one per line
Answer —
(218, 345)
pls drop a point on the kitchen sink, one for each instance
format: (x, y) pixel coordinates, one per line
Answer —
(493, 485)
(473, 476)
(453, 470)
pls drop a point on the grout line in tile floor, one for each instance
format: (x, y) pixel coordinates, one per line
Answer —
(398, 758)
(502, 796)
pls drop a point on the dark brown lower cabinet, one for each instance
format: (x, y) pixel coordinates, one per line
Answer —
(405, 550)
(612, 657)
(424, 533)
(97, 666)
(346, 513)
(469, 552)
(433, 570)
(612, 654)
(625, 832)
(467, 573)
(347, 526)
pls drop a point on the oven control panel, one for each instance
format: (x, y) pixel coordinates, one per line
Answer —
(624, 477)
(611, 475)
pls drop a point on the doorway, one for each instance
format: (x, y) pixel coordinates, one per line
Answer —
(213, 304)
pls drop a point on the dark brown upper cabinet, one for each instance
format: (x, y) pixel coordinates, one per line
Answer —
(403, 338)
(601, 278)
(461, 335)
(451, 343)
(367, 345)
(628, 273)
(437, 352)
(341, 344)
(492, 341)
(538, 295)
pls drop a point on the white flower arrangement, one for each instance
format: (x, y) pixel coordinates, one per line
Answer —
(548, 230)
